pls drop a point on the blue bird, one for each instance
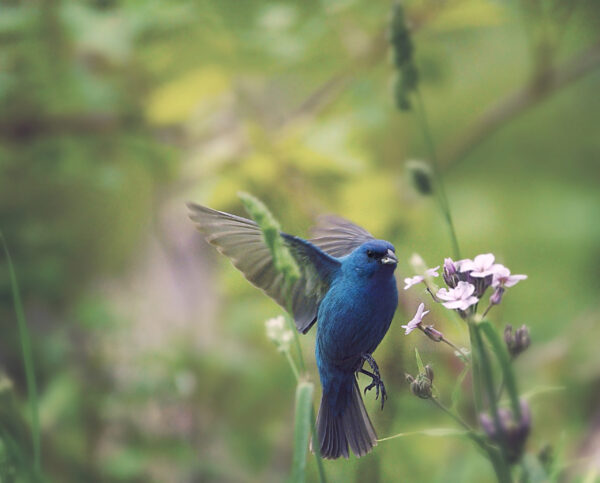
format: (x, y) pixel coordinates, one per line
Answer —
(347, 284)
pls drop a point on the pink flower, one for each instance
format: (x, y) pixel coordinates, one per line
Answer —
(481, 266)
(503, 278)
(410, 281)
(414, 323)
(461, 297)
(432, 272)
(429, 273)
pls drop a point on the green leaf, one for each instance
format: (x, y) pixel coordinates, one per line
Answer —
(302, 429)
(420, 364)
(27, 359)
(505, 364)
(533, 471)
(536, 391)
(435, 432)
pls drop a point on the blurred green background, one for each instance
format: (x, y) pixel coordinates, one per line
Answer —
(150, 349)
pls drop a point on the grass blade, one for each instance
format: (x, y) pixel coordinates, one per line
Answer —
(27, 359)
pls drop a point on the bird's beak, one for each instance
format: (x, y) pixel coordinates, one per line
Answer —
(389, 258)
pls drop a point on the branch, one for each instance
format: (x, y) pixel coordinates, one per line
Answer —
(543, 85)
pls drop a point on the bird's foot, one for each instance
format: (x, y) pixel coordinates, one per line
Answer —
(376, 382)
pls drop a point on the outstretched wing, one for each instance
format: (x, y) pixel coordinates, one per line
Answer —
(338, 236)
(242, 241)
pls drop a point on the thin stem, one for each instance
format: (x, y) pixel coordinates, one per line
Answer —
(475, 363)
(27, 361)
(433, 296)
(290, 359)
(486, 310)
(454, 346)
(443, 200)
(456, 417)
(290, 319)
(500, 389)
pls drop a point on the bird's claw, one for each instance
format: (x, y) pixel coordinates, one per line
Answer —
(376, 382)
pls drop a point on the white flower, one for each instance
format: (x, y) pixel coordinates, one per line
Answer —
(416, 320)
(278, 333)
(461, 297)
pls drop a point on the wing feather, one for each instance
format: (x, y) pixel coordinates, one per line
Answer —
(337, 236)
(241, 240)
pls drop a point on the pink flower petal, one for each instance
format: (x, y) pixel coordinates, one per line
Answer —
(410, 281)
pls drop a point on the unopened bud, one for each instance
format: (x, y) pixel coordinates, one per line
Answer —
(496, 297)
(421, 176)
(513, 434)
(518, 341)
(399, 37)
(429, 372)
(421, 385)
(434, 334)
(449, 272)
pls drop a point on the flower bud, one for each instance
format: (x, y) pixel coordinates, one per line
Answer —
(399, 37)
(434, 334)
(429, 372)
(449, 273)
(496, 297)
(517, 342)
(420, 176)
(512, 433)
(421, 385)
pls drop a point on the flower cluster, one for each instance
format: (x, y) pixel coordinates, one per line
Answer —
(279, 333)
(467, 281)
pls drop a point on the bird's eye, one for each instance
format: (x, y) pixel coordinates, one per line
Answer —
(370, 253)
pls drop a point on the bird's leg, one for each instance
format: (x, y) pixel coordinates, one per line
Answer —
(376, 382)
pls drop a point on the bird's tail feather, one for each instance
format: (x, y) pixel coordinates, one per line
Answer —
(351, 427)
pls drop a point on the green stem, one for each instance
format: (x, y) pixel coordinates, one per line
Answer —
(290, 320)
(455, 347)
(442, 198)
(487, 378)
(456, 417)
(501, 470)
(476, 376)
(290, 359)
(27, 360)
(317, 449)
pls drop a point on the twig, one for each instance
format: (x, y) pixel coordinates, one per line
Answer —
(545, 84)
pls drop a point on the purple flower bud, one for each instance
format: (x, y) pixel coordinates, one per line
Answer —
(450, 273)
(517, 342)
(496, 297)
(512, 433)
(434, 334)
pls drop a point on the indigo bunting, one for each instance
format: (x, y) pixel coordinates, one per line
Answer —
(347, 284)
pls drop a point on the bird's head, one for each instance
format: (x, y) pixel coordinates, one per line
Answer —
(375, 255)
